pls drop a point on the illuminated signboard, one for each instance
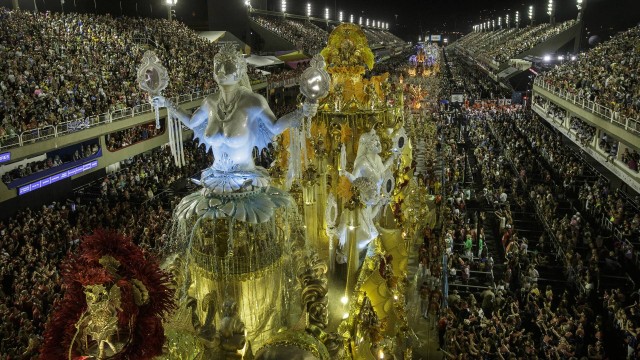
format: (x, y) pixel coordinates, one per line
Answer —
(4, 157)
(436, 37)
(57, 177)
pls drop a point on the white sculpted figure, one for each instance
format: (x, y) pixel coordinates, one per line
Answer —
(369, 173)
(232, 122)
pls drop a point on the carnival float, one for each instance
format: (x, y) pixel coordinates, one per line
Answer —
(305, 260)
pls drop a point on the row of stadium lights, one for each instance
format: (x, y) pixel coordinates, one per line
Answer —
(373, 23)
(491, 25)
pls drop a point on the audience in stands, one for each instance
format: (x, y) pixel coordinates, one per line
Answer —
(473, 82)
(584, 132)
(69, 67)
(123, 138)
(304, 35)
(50, 162)
(527, 40)
(606, 75)
(499, 46)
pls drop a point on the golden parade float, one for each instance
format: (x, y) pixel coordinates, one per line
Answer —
(307, 260)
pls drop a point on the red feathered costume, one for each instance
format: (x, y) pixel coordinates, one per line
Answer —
(142, 324)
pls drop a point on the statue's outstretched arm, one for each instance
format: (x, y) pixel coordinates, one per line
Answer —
(190, 121)
(269, 120)
(194, 120)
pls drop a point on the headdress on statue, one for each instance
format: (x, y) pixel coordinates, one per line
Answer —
(229, 56)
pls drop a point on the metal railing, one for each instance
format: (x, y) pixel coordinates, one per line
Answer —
(605, 113)
(38, 134)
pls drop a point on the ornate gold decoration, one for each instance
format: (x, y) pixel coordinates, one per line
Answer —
(99, 323)
(347, 47)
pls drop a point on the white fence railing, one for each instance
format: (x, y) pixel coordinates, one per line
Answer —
(603, 112)
(68, 127)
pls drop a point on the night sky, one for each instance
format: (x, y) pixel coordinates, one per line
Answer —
(414, 17)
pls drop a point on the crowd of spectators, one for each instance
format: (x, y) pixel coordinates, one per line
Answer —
(69, 67)
(583, 131)
(482, 41)
(48, 163)
(278, 77)
(606, 75)
(630, 158)
(516, 317)
(551, 109)
(472, 82)
(123, 138)
(34, 241)
(503, 44)
(304, 36)
(525, 41)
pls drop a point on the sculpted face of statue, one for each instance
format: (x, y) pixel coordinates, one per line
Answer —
(229, 66)
(370, 143)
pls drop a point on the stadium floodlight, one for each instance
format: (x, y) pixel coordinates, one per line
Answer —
(367, 23)
(360, 21)
(551, 11)
(531, 14)
(581, 5)
(517, 19)
(340, 16)
(493, 24)
(170, 5)
(387, 26)
(499, 21)
(326, 14)
(308, 9)
(547, 58)
(419, 37)
(506, 20)
(283, 6)
(351, 18)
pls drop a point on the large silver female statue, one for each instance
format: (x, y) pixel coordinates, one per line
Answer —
(232, 122)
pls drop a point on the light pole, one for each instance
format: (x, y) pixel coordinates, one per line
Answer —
(531, 14)
(283, 7)
(551, 11)
(506, 20)
(360, 21)
(581, 5)
(499, 22)
(326, 15)
(170, 5)
(517, 19)
(351, 18)
(309, 10)
(340, 16)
